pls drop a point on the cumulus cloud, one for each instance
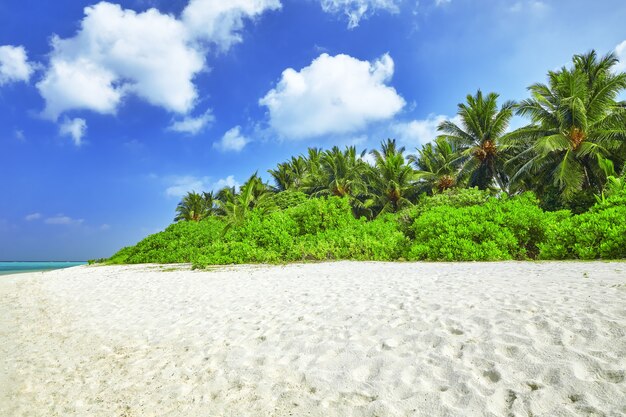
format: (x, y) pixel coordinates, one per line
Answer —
(32, 217)
(221, 22)
(620, 51)
(118, 52)
(419, 132)
(335, 94)
(232, 140)
(62, 220)
(193, 125)
(181, 185)
(74, 128)
(355, 10)
(154, 56)
(14, 65)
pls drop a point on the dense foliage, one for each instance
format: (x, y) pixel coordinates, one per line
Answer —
(461, 225)
(548, 190)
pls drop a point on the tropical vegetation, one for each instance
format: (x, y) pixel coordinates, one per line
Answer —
(552, 189)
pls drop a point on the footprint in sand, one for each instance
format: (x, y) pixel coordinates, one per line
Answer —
(492, 375)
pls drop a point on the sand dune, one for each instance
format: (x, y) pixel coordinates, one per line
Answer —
(336, 339)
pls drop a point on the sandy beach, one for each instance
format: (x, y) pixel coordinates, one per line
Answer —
(332, 339)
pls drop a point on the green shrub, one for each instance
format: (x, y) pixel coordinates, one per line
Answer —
(456, 197)
(499, 229)
(378, 240)
(287, 199)
(599, 233)
(319, 214)
(179, 242)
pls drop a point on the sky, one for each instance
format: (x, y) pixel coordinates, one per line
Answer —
(111, 111)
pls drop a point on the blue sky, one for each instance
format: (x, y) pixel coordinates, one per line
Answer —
(110, 111)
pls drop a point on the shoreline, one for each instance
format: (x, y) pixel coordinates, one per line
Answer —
(318, 339)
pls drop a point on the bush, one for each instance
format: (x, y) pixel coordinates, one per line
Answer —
(500, 229)
(598, 234)
(287, 199)
(463, 225)
(179, 242)
(320, 214)
(378, 240)
(456, 197)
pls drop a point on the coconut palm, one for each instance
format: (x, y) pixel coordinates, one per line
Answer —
(479, 139)
(339, 173)
(436, 165)
(290, 176)
(193, 207)
(576, 124)
(392, 179)
(235, 206)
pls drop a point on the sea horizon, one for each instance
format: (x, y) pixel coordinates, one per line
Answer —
(17, 267)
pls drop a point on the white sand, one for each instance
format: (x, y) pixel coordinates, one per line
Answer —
(338, 339)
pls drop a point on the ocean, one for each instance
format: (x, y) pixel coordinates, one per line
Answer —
(18, 267)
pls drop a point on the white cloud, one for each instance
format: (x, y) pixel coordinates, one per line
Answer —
(232, 140)
(335, 94)
(154, 56)
(620, 51)
(19, 135)
(14, 65)
(356, 10)
(62, 220)
(534, 7)
(119, 52)
(221, 22)
(442, 2)
(419, 132)
(32, 217)
(184, 184)
(193, 125)
(181, 185)
(74, 128)
(225, 182)
(105, 226)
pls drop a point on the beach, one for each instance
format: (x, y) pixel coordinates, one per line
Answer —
(327, 339)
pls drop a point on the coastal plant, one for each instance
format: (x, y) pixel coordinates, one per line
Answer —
(179, 242)
(576, 124)
(480, 140)
(392, 180)
(195, 207)
(500, 229)
(599, 233)
(457, 197)
(437, 166)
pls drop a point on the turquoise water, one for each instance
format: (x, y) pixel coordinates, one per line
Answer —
(18, 267)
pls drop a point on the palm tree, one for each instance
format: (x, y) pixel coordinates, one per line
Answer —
(290, 176)
(342, 174)
(479, 139)
(235, 206)
(576, 124)
(392, 179)
(193, 207)
(436, 165)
